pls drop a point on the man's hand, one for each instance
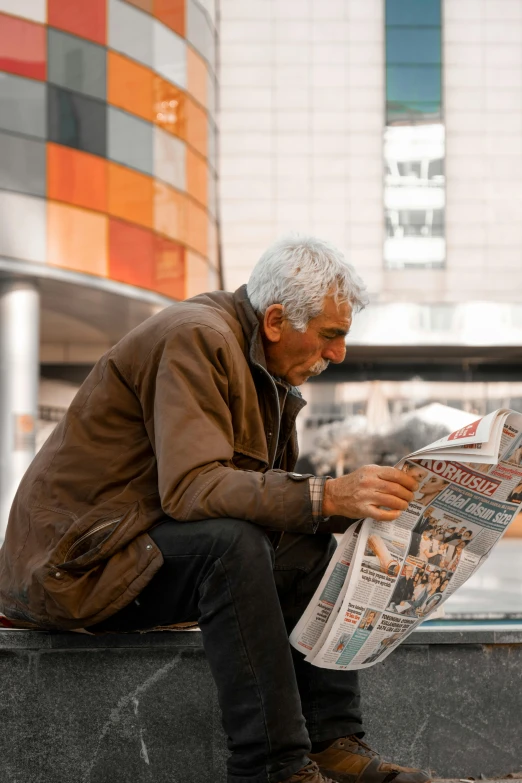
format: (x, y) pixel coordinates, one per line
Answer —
(364, 492)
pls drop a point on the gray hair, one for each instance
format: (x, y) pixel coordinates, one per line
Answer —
(298, 272)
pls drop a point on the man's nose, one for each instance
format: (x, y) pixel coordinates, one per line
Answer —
(335, 352)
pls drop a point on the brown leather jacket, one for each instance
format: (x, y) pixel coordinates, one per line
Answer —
(180, 418)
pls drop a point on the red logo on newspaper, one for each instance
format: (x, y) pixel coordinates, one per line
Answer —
(466, 432)
(462, 476)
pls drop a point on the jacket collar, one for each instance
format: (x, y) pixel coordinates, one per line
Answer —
(250, 325)
(251, 328)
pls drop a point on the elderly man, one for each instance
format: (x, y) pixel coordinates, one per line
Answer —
(167, 494)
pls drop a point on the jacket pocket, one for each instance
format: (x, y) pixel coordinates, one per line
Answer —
(100, 542)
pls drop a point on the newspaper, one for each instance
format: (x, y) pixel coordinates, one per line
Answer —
(388, 577)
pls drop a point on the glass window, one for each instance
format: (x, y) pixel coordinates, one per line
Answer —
(144, 5)
(413, 111)
(413, 60)
(169, 159)
(170, 56)
(22, 106)
(169, 268)
(76, 64)
(22, 47)
(197, 127)
(199, 32)
(130, 31)
(87, 20)
(77, 121)
(413, 12)
(36, 10)
(171, 13)
(77, 239)
(410, 45)
(130, 141)
(131, 253)
(197, 76)
(22, 164)
(169, 107)
(76, 177)
(170, 212)
(415, 223)
(27, 211)
(130, 86)
(130, 195)
(420, 83)
(197, 176)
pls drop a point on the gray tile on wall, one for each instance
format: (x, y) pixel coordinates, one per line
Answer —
(129, 141)
(22, 105)
(76, 64)
(22, 164)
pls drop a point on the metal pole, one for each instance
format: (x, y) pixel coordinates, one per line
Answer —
(19, 376)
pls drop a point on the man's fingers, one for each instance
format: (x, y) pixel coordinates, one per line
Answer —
(391, 501)
(382, 514)
(399, 477)
(391, 488)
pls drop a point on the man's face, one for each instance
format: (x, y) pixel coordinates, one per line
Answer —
(296, 356)
(408, 573)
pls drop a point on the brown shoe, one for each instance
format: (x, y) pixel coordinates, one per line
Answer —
(350, 760)
(309, 774)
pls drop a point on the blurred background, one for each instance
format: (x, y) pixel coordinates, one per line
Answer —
(151, 150)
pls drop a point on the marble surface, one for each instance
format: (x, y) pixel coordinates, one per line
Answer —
(143, 707)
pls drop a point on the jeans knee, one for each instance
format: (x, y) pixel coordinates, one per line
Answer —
(241, 538)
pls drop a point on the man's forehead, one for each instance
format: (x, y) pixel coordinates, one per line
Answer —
(336, 314)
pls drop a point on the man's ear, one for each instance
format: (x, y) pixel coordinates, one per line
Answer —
(273, 322)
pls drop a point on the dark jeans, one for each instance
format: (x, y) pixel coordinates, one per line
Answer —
(225, 574)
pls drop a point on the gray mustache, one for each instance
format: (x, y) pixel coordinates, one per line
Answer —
(319, 366)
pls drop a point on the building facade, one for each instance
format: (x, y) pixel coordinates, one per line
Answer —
(392, 128)
(107, 185)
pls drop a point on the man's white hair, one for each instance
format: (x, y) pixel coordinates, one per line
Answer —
(298, 272)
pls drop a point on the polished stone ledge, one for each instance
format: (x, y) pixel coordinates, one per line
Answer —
(437, 632)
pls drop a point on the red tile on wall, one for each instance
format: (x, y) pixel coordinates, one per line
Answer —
(23, 47)
(131, 254)
(169, 266)
(86, 19)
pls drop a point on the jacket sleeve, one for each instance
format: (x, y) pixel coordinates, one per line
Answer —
(188, 413)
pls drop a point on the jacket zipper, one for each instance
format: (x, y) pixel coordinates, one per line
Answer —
(94, 530)
(275, 440)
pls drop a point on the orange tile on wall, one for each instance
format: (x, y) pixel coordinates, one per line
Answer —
(76, 177)
(197, 176)
(197, 127)
(145, 5)
(169, 265)
(169, 107)
(197, 228)
(131, 254)
(130, 195)
(76, 239)
(170, 212)
(197, 76)
(130, 86)
(171, 13)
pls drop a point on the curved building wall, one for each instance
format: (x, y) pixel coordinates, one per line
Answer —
(107, 139)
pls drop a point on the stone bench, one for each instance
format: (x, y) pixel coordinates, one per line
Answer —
(136, 708)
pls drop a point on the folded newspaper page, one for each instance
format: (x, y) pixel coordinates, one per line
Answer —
(388, 577)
